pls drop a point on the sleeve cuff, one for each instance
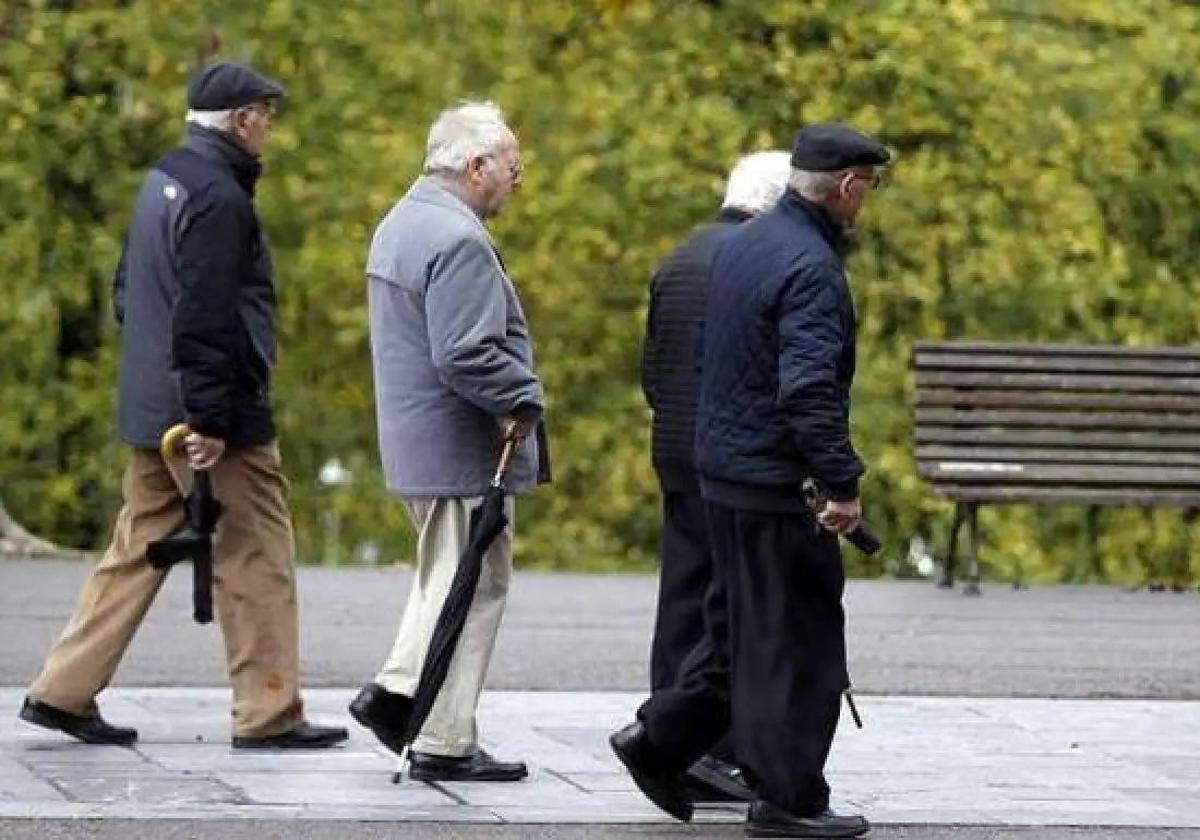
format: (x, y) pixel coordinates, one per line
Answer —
(842, 491)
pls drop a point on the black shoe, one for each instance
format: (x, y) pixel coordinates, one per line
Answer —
(302, 736)
(713, 780)
(90, 730)
(767, 820)
(384, 713)
(476, 767)
(651, 772)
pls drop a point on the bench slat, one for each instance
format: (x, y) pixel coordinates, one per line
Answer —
(1099, 350)
(1056, 399)
(1048, 455)
(1006, 472)
(1028, 494)
(1107, 383)
(1147, 441)
(950, 360)
(1159, 422)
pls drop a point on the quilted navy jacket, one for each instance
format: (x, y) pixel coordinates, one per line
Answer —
(778, 362)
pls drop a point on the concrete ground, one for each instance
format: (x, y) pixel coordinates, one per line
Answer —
(580, 632)
(1055, 713)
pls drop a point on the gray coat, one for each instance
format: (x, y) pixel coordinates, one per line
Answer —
(451, 350)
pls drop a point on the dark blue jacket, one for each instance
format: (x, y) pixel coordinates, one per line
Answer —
(195, 296)
(778, 362)
(670, 364)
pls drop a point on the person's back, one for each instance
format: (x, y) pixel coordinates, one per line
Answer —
(671, 361)
(426, 419)
(198, 181)
(748, 411)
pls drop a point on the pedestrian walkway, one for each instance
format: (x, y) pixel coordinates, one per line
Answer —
(919, 761)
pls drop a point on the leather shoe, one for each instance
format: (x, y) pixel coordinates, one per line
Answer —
(302, 736)
(651, 771)
(712, 780)
(91, 729)
(767, 820)
(476, 767)
(384, 713)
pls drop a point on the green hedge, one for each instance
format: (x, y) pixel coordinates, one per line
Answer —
(1046, 188)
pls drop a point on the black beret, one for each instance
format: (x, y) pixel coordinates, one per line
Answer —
(225, 85)
(829, 147)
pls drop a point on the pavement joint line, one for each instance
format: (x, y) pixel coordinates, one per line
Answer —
(926, 761)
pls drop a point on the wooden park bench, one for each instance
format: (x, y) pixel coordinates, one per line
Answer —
(1043, 423)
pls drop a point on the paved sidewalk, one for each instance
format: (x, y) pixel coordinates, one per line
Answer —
(920, 761)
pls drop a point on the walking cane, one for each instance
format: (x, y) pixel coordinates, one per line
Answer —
(194, 541)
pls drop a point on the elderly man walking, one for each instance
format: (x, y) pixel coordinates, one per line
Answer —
(454, 376)
(774, 412)
(671, 382)
(195, 295)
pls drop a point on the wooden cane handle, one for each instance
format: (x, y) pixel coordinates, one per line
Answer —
(172, 440)
(510, 446)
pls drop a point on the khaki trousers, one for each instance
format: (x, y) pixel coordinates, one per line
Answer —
(254, 590)
(442, 533)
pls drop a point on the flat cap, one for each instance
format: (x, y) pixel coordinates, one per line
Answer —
(225, 85)
(829, 147)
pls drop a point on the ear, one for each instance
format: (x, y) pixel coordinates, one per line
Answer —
(475, 167)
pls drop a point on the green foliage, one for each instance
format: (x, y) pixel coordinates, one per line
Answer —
(1046, 188)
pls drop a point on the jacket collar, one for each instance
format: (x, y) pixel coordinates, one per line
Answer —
(831, 230)
(220, 148)
(733, 215)
(427, 190)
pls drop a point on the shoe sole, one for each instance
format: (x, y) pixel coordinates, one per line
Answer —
(763, 831)
(440, 777)
(395, 746)
(307, 745)
(31, 716)
(684, 813)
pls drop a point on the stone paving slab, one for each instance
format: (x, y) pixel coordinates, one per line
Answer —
(920, 761)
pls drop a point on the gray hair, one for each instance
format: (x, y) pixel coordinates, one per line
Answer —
(757, 181)
(815, 186)
(459, 134)
(217, 120)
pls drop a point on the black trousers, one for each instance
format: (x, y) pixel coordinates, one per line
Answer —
(688, 589)
(778, 688)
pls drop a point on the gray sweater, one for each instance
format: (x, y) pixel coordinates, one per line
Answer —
(451, 350)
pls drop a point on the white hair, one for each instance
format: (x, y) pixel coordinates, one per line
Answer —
(462, 133)
(218, 120)
(815, 186)
(757, 181)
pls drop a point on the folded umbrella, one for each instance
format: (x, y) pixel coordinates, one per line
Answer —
(487, 522)
(194, 541)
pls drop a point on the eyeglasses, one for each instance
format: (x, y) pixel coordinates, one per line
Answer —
(266, 108)
(875, 180)
(515, 169)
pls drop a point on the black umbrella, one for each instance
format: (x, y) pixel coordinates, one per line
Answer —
(487, 521)
(194, 541)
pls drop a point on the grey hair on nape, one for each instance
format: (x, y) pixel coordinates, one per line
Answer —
(217, 120)
(815, 186)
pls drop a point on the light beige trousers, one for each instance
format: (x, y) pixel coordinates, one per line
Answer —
(254, 590)
(443, 526)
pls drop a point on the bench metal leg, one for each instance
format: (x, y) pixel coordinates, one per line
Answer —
(947, 579)
(972, 584)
